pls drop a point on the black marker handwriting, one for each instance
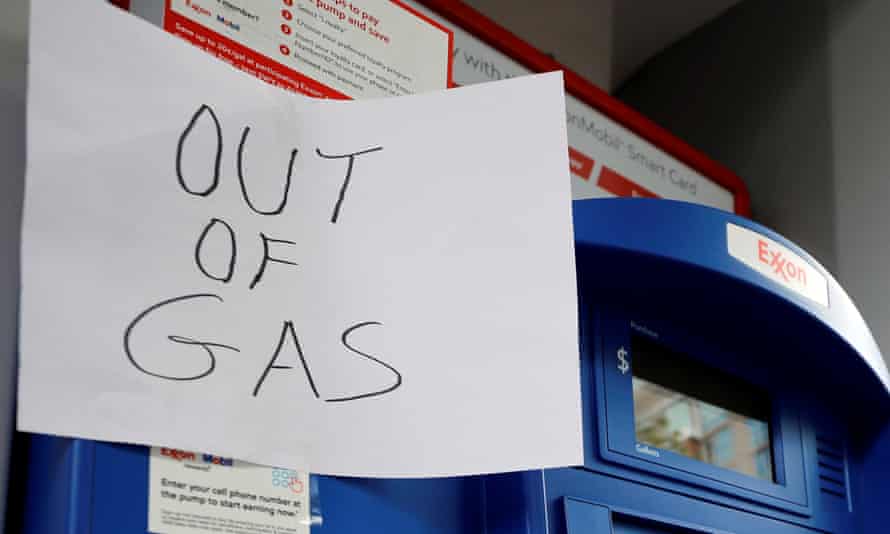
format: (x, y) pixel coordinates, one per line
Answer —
(206, 345)
(288, 328)
(287, 332)
(267, 258)
(217, 159)
(240, 165)
(233, 251)
(223, 270)
(345, 186)
(345, 340)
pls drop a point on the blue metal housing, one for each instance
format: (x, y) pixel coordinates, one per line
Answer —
(652, 267)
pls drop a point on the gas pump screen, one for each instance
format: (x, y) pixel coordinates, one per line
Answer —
(683, 406)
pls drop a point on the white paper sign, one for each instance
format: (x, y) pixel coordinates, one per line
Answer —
(198, 493)
(372, 288)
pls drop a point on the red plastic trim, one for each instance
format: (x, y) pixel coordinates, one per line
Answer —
(123, 4)
(501, 39)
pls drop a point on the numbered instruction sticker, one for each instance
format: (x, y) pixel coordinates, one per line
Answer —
(322, 48)
(191, 492)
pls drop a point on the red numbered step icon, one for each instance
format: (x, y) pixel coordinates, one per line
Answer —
(285, 29)
(288, 2)
(284, 50)
(287, 14)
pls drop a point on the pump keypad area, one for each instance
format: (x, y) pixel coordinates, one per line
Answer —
(715, 400)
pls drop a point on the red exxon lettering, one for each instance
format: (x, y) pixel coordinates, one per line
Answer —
(177, 454)
(782, 266)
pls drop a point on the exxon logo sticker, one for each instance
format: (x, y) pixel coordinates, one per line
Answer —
(777, 262)
(178, 455)
(782, 266)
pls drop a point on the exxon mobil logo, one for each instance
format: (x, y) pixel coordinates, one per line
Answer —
(178, 455)
(216, 460)
(781, 266)
(777, 262)
(181, 456)
(197, 8)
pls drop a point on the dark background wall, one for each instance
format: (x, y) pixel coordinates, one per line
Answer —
(752, 90)
(13, 53)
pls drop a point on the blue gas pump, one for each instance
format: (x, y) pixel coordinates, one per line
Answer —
(723, 393)
(729, 386)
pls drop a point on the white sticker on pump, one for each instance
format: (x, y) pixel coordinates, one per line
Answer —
(193, 493)
(776, 262)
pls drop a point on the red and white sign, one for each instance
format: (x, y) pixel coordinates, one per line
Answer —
(321, 48)
(777, 262)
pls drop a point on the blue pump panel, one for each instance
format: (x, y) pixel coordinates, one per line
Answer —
(656, 280)
(80, 486)
(717, 399)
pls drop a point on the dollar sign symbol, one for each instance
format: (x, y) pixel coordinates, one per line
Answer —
(623, 364)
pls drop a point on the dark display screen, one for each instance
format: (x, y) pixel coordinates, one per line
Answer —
(686, 407)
